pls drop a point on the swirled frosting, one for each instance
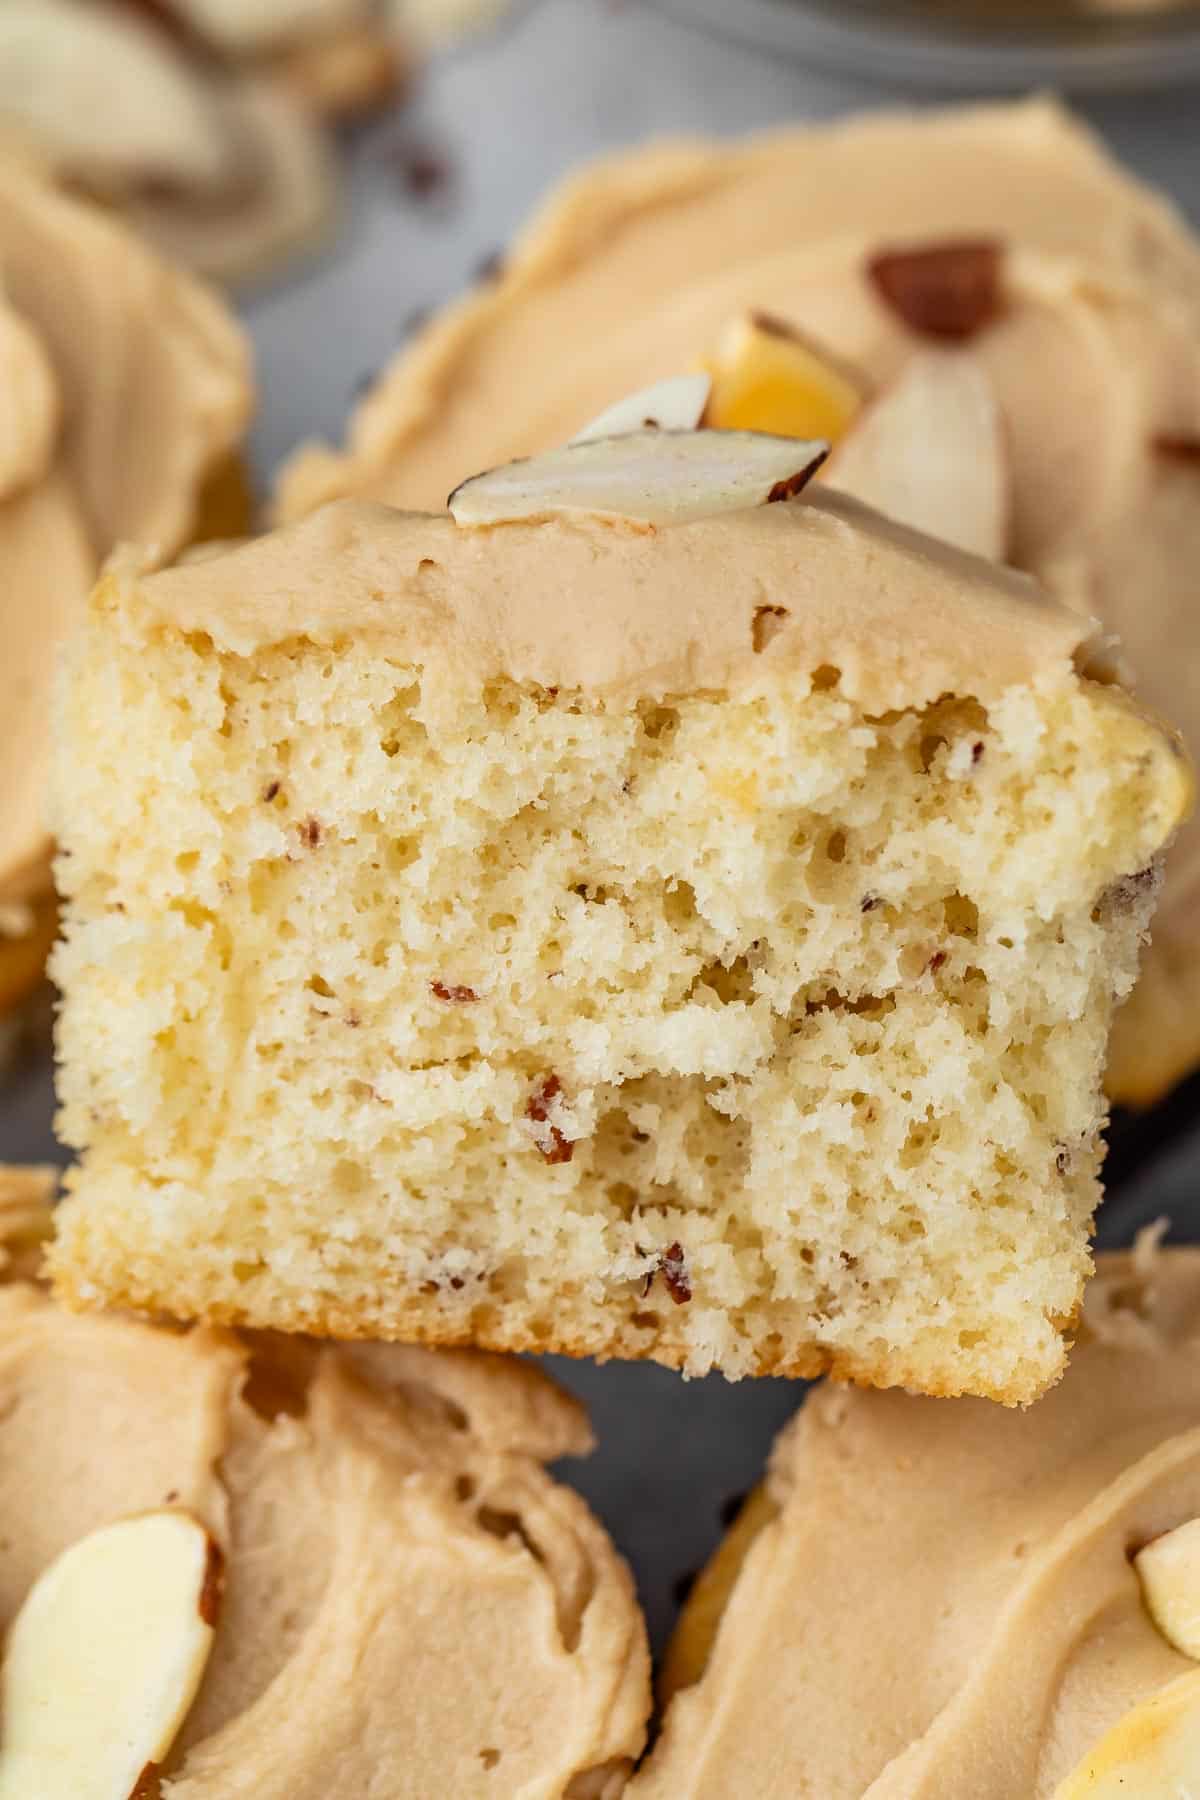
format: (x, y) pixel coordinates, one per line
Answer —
(412, 1605)
(943, 1600)
(127, 387)
(633, 270)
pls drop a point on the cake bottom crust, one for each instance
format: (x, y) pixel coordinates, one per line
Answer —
(418, 1318)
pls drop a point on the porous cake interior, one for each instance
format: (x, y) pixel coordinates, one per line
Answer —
(755, 1032)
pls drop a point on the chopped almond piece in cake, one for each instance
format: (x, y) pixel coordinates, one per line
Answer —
(680, 927)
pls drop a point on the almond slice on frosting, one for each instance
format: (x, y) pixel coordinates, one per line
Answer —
(104, 1660)
(676, 404)
(1169, 1571)
(1153, 1753)
(931, 453)
(647, 477)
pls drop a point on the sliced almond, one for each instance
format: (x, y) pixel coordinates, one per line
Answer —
(769, 376)
(674, 405)
(1169, 1571)
(647, 477)
(945, 290)
(1153, 1753)
(931, 453)
(104, 1659)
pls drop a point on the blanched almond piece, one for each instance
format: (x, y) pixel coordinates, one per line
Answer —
(1153, 1753)
(930, 452)
(674, 405)
(648, 478)
(768, 376)
(1169, 1571)
(104, 1659)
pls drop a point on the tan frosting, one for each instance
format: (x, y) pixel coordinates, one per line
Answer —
(131, 383)
(902, 618)
(412, 1605)
(179, 121)
(945, 1603)
(632, 271)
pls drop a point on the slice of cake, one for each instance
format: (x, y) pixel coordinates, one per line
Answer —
(403, 1602)
(927, 1600)
(648, 924)
(823, 273)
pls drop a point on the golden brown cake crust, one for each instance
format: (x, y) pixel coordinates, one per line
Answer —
(419, 1319)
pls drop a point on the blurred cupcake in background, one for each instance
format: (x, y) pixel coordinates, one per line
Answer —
(129, 388)
(204, 121)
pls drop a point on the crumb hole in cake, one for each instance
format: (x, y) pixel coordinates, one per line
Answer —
(927, 750)
(401, 854)
(731, 982)
(465, 1487)
(350, 1179)
(825, 677)
(187, 861)
(767, 623)
(426, 566)
(645, 1321)
(679, 904)
(489, 1758)
(310, 832)
(316, 984)
(835, 847)
(622, 1197)
(659, 721)
(961, 916)
(970, 1340)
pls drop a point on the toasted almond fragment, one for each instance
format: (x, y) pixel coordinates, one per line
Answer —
(931, 453)
(648, 477)
(104, 1659)
(1169, 1571)
(947, 290)
(1177, 448)
(1153, 1752)
(768, 376)
(674, 405)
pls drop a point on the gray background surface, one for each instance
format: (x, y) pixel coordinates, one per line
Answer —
(505, 116)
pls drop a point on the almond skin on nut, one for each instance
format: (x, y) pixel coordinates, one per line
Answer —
(948, 291)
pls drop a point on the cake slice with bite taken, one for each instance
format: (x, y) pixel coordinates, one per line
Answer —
(648, 912)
